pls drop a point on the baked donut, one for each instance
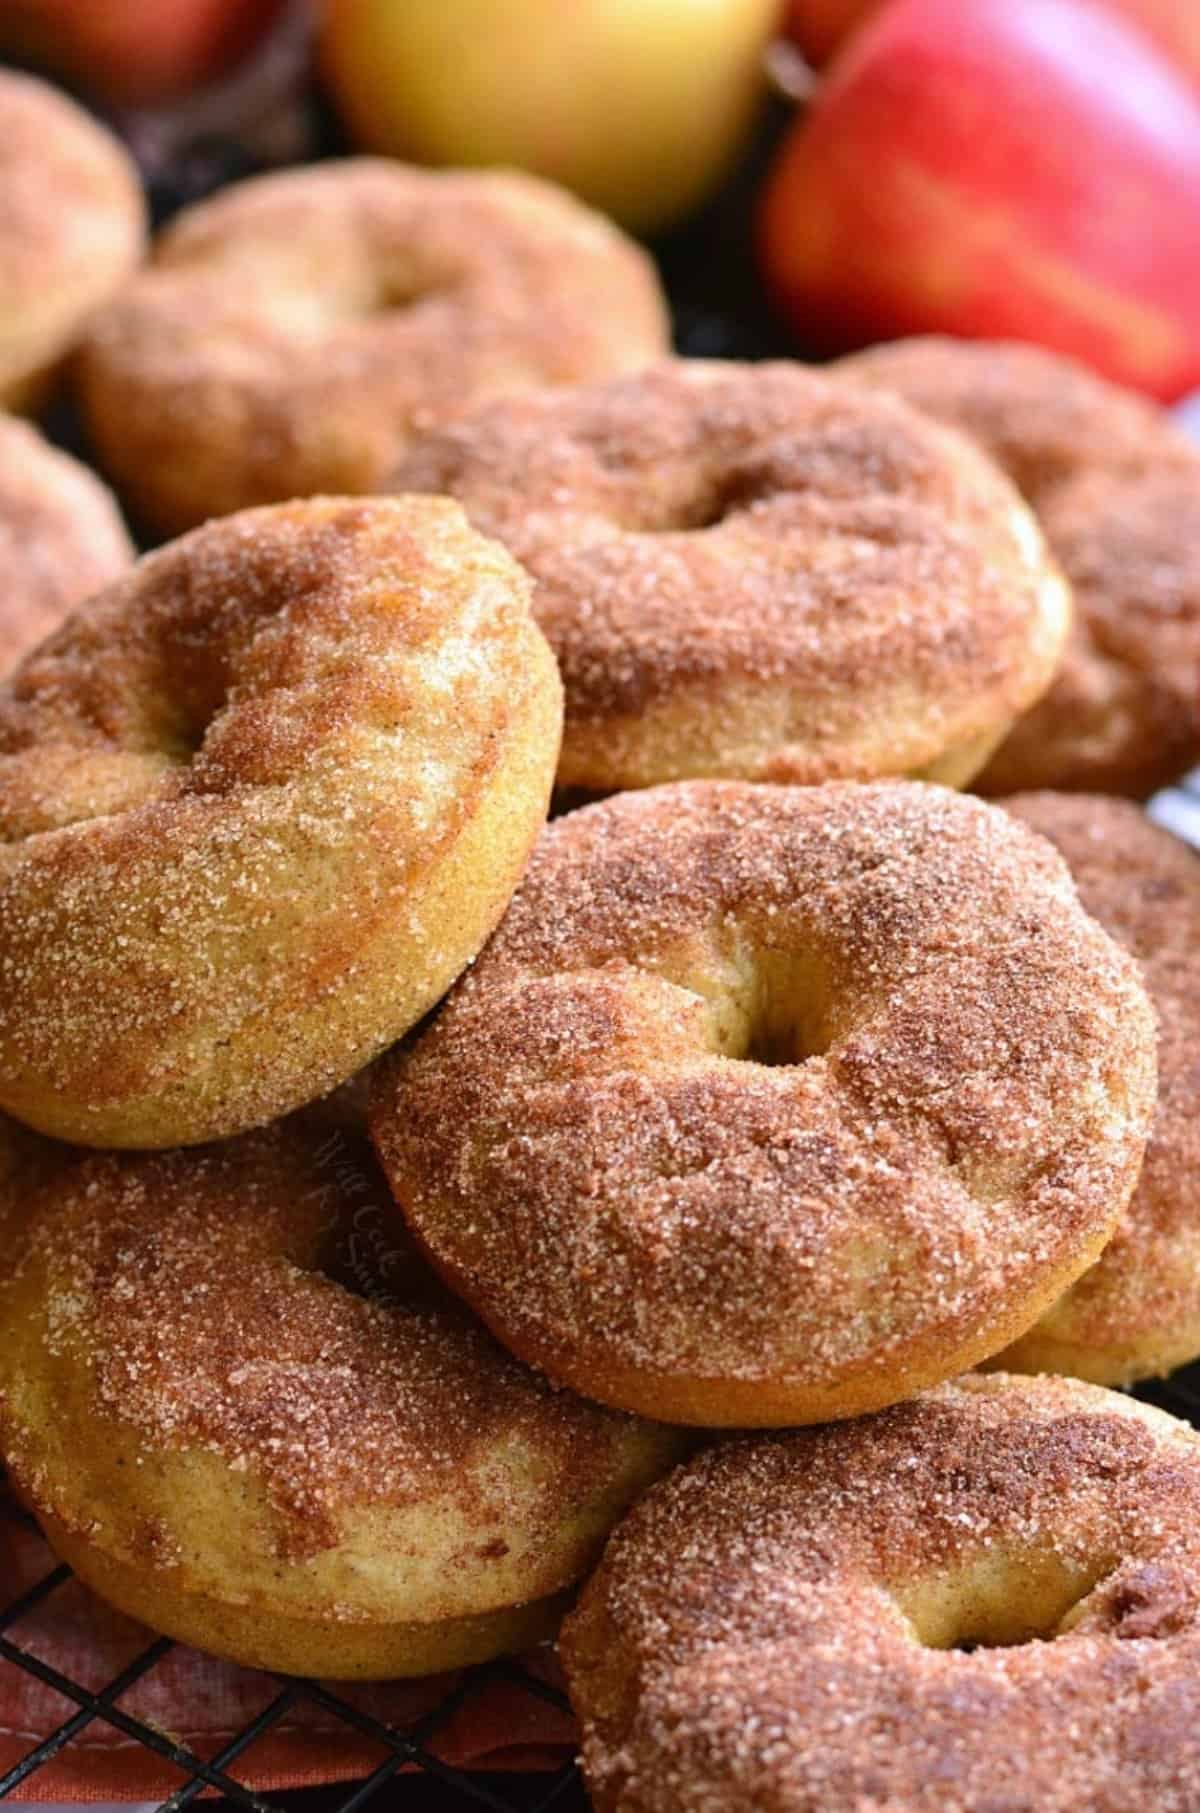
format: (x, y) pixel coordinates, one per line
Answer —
(291, 332)
(984, 1601)
(768, 1105)
(72, 227)
(246, 1420)
(1117, 489)
(1137, 1311)
(259, 805)
(61, 537)
(749, 573)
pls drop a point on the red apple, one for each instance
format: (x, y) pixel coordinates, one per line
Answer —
(1021, 168)
(820, 27)
(133, 52)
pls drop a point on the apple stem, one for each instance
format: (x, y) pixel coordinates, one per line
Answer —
(789, 74)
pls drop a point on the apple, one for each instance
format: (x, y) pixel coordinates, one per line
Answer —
(990, 168)
(820, 27)
(639, 106)
(135, 52)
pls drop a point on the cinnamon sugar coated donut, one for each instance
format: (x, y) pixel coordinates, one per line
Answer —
(72, 227)
(231, 1443)
(748, 572)
(61, 537)
(982, 1601)
(293, 331)
(1137, 1312)
(767, 1105)
(259, 805)
(1117, 489)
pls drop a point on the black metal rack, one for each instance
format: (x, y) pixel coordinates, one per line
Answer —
(403, 1749)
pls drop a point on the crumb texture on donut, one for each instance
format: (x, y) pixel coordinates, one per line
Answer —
(221, 1373)
(61, 537)
(768, 1104)
(259, 805)
(749, 572)
(292, 331)
(1137, 1312)
(986, 1598)
(72, 226)
(1116, 487)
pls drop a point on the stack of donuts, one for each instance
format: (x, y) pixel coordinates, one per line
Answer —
(520, 1057)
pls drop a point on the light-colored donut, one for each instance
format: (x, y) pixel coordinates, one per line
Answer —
(61, 537)
(292, 331)
(749, 573)
(72, 227)
(259, 805)
(1137, 1312)
(246, 1420)
(1117, 489)
(767, 1105)
(984, 1600)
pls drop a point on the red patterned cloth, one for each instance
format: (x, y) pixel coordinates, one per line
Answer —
(202, 1703)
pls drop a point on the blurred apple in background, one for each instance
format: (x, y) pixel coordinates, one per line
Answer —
(133, 52)
(820, 27)
(640, 106)
(1028, 168)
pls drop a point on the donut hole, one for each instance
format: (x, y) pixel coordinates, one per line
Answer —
(1000, 1600)
(771, 1008)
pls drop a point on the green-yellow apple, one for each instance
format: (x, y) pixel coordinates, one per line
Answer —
(638, 105)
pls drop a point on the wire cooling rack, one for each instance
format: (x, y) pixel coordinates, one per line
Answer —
(430, 1782)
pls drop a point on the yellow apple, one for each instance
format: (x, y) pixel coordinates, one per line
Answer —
(638, 105)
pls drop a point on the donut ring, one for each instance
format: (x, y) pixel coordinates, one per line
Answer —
(259, 805)
(72, 226)
(230, 1445)
(61, 537)
(748, 573)
(781, 1624)
(292, 332)
(772, 1105)
(1117, 490)
(1137, 1312)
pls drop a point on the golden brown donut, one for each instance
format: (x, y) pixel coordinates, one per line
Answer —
(292, 332)
(767, 1105)
(1117, 489)
(246, 1420)
(259, 805)
(984, 1601)
(749, 573)
(72, 227)
(1137, 1312)
(61, 537)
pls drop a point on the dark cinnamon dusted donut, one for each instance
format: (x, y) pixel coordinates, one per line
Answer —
(61, 537)
(250, 1420)
(748, 572)
(768, 1105)
(1117, 490)
(291, 333)
(1137, 1311)
(259, 804)
(983, 1601)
